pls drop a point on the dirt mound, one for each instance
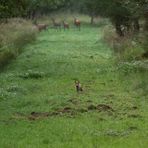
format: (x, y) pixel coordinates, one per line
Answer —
(65, 110)
(104, 107)
(70, 110)
(57, 112)
(37, 115)
(100, 107)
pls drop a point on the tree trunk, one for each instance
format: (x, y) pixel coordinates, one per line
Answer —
(146, 22)
(146, 25)
(136, 25)
(33, 15)
(92, 20)
(119, 30)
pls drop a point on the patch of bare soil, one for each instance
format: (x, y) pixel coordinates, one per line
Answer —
(78, 107)
(37, 115)
(100, 107)
(66, 111)
(104, 107)
(117, 133)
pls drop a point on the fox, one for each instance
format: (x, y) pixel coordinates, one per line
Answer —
(78, 86)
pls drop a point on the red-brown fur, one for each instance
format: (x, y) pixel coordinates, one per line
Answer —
(78, 86)
(57, 25)
(77, 23)
(41, 26)
(65, 25)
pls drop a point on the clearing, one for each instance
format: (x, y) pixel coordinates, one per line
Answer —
(39, 106)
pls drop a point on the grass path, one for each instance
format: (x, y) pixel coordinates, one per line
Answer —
(41, 80)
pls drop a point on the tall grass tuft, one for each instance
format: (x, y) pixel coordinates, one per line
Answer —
(14, 35)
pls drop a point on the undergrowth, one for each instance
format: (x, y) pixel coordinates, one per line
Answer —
(14, 35)
(130, 47)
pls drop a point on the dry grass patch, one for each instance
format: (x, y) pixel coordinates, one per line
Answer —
(14, 35)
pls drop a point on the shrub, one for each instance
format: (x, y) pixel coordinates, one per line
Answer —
(5, 56)
(102, 22)
(125, 48)
(143, 39)
(14, 35)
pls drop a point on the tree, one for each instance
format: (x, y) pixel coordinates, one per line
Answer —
(28, 8)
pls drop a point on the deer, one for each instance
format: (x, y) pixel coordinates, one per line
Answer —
(56, 25)
(41, 27)
(65, 25)
(77, 23)
(78, 86)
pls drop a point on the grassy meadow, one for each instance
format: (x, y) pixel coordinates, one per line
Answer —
(40, 108)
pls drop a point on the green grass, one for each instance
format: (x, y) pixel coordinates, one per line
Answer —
(42, 78)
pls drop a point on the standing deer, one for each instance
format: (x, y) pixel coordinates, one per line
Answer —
(41, 27)
(65, 25)
(77, 23)
(56, 25)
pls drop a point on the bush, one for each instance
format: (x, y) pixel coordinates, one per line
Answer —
(14, 35)
(125, 48)
(5, 56)
(102, 22)
(143, 39)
